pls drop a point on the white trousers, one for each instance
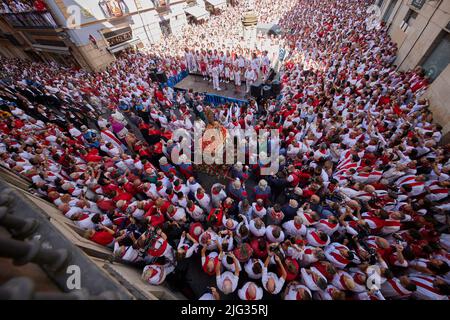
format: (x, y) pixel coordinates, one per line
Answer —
(216, 83)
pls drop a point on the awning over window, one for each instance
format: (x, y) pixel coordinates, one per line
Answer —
(197, 12)
(217, 3)
(123, 45)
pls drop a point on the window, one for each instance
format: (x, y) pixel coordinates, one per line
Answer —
(438, 57)
(418, 3)
(407, 21)
(410, 15)
(389, 10)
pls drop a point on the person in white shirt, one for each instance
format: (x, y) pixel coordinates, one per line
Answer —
(218, 194)
(211, 294)
(295, 227)
(237, 78)
(273, 283)
(296, 291)
(215, 71)
(426, 287)
(155, 274)
(398, 288)
(253, 268)
(250, 78)
(227, 282)
(250, 291)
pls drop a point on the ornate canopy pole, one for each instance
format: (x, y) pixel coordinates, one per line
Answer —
(249, 23)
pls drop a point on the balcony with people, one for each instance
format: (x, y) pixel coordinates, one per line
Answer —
(27, 14)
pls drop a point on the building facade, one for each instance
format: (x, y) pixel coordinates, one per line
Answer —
(89, 33)
(12, 44)
(421, 28)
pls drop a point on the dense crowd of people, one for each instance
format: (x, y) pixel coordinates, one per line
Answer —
(358, 209)
(217, 50)
(19, 6)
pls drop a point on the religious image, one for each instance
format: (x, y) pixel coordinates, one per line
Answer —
(113, 8)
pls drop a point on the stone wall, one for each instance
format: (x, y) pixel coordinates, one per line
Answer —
(414, 45)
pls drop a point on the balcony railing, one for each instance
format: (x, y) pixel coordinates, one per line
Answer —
(38, 20)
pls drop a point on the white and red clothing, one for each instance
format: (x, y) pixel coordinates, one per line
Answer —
(258, 211)
(425, 288)
(307, 218)
(248, 267)
(393, 289)
(327, 227)
(271, 238)
(204, 201)
(279, 281)
(227, 275)
(293, 294)
(155, 274)
(178, 214)
(244, 295)
(313, 239)
(333, 255)
(255, 231)
(310, 277)
(293, 229)
(214, 256)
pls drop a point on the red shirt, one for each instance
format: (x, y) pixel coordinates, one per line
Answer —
(290, 275)
(121, 195)
(257, 251)
(130, 188)
(102, 237)
(39, 5)
(219, 216)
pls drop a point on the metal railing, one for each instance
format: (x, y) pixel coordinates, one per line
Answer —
(40, 20)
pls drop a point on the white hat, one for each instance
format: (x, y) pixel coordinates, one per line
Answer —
(163, 161)
(422, 212)
(183, 159)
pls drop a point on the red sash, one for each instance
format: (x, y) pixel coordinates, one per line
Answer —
(112, 137)
(340, 258)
